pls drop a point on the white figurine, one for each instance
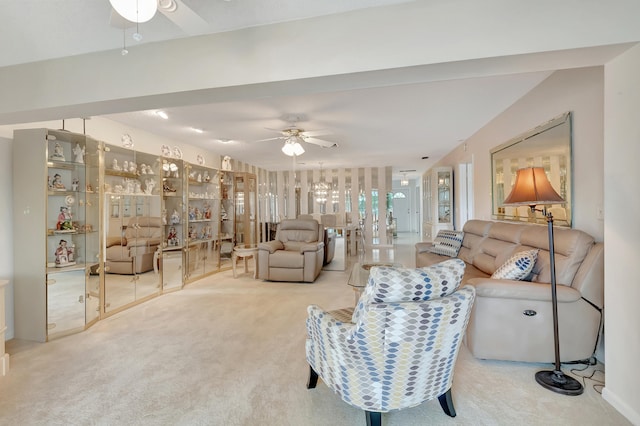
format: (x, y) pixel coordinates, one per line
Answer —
(175, 217)
(114, 164)
(58, 153)
(149, 184)
(226, 163)
(199, 177)
(79, 153)
(125, 166)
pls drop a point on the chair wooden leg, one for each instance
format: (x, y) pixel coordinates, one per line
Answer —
(313, 378)
(446, 402)
(373, 418)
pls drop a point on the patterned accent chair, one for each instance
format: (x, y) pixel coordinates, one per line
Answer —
(400, 347)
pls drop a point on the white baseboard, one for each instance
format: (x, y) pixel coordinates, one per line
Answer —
(629, 412)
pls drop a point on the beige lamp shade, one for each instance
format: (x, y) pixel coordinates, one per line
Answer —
(532, 188)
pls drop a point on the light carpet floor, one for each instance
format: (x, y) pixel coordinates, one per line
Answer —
(227, 351)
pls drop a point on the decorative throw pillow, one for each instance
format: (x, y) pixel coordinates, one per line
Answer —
(447, 243)
(393, 284)
(518, 267)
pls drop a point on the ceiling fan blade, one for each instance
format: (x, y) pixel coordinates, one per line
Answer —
(316, 133)
(274, 130)
(322, 143)
(270, 139)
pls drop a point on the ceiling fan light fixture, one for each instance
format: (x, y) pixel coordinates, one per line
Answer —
(404, 181)
(138, 11)
(292, 148)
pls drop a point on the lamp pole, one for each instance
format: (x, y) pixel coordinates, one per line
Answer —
(555, 380)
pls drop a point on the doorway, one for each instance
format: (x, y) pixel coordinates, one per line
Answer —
(402, 210)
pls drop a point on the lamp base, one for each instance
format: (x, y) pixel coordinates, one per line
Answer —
(558, 382)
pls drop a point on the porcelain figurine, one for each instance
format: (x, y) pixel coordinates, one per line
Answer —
(58, 153)
(78, 151)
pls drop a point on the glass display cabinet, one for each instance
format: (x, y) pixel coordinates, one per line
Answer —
(245, 209)
(226, 236)
(132, 227)
(202, 221)
(56, 217)
(438, 201)
(173, 222)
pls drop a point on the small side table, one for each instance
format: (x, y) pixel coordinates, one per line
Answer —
(245, 251)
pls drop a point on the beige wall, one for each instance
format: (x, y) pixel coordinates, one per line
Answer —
(605, 101)
(622, 233)
(580, 91)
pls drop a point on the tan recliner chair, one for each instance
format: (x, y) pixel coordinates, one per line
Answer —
(133, 253)
(295, 255)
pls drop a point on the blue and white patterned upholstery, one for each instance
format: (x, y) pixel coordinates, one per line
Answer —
(401, 348)
(447, 242)
(517, 267)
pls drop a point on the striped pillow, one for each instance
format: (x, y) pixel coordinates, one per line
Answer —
(518, 267)
(447, 243)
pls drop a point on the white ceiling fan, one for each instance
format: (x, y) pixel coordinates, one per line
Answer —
(293, 135)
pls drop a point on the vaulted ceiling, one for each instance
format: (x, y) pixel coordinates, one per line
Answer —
(390, 117)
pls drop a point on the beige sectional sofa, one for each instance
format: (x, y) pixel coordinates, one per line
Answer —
(513, 320)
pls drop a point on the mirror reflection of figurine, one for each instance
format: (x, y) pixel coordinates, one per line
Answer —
(74, 184)
(149, 184)
(57, 184)
(206, 177)
(172, 237)
(226, 163)
(65, 256)
(64, 219)
(78, 151)
(175, 217)
(58, 154)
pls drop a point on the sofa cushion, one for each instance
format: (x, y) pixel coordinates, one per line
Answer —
(305, 231)
(447, 243)
(390, 284)
(286, 259)
(517, 267)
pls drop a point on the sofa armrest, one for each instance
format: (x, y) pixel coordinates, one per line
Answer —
(116, 241)
(271, 246)
(312, 247)
(423, 247)
(523, 290)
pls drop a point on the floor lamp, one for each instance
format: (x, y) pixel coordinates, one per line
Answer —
(532, 188)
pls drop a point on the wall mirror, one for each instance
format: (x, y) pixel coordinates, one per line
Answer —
(547, 146)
